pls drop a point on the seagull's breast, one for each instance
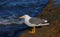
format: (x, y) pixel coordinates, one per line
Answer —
(27, 22)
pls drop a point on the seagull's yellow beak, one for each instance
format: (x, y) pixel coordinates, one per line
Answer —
(21, 17)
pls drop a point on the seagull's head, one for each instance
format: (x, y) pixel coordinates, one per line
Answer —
(25, 16)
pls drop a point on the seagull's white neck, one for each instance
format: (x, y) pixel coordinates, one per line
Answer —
(27, 18)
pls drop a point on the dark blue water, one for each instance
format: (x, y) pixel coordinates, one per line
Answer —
(57, 2)
(16, 8)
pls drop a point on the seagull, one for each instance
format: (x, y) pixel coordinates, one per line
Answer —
(33, 22)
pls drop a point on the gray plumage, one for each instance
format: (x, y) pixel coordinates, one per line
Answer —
(36, 21)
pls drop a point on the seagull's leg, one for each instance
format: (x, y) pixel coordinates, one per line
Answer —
(33, 30)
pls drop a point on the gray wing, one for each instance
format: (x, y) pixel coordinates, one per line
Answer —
(35, 20)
